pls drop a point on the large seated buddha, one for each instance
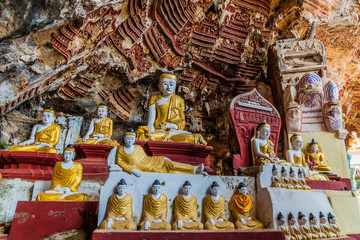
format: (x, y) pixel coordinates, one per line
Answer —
(166, 119)
(315, 158)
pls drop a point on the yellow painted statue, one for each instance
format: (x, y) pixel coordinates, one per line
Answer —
(241, 210)
(275, 179)
(315, 158)
(294, 228)
(133, 160)
(186, 211)
(304, 227)
(302, 181)
(315, 228)
(100, 129)
(334, 228)
(43, 138)
(282, 227)
(154, 211)
(119, 210)
(214, 211)
(325, 228)
(285, 179)
(65, 181)
(295, 155)
(354, 141)
(166, 120)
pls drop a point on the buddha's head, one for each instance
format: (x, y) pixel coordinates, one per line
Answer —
(292, 172)
(243, 190)
(300, 173)
(121, 187)
(312, 219)
(129, 137)
(331, 218)
(214, 188)
(275, 172)
(263, 130)
(291, 219)
(156, 187)
(353, 134)
(186, 188)
(280, 219)
(283, 172)
(322, 218)
(69, 153)
(263, 89)
(302, 219)
(167, 83)
(48, 116)
(296, 141)
(102, 110)
(313, 147)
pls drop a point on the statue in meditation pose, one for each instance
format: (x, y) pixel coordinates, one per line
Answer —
(241, 210)
(334, 227)
(133, 160)
(100, 129)
(294, 228)
(119, 210)
(304, 227)
(65, 181)
(214, 211)
(155, 210)
(302, 180)
(285, 179)
(186, 210)
(354, 141)
(315, 228)
(324, 227)
(295, 155)
(43, 138)
(293, 179)
(275, 179)
(282, 227)
(166, 120)
(315, 157)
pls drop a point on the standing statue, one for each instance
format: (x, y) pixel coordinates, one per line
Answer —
(119, 210)
(315, 157)
(354, 141)
(43, 138)
(166, 120)
(334, 227)
(214, 211)
(186, 210)
(295, 155)
(282, 227)
(315, 228)
(100, 129)
(66, 180)
(294, 229)
(304, 227)
(154, 211)
(325, 228)
(133, 160)
(241, 210)
(275, 180)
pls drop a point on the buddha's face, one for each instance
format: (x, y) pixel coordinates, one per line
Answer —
(68, 156)
(129, 140)
(121, 189)
(215, 191)
(48, 118)
(283, 173)
(264, 132)
(322, 220)
(275, 172)
(300, 175)
(186, 190)
(155, 189)
(332, 220)
(167, 86)
(297, 143)
(281, 221)
(243, 190)
(101, 112)
(302, 220)
(292, 174)
(314, 148)
(292, 221)
(313, 221)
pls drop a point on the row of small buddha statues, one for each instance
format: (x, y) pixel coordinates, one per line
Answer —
(304, 231)
(185, 210)
(290, 181)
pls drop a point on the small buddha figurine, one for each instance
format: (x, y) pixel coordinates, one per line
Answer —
(285, 180)
(354, 141)
(325, 228)
(133, 160)
(265, 91)
(302, 181)
(214, 211)
(100, 129)
(315, 157)
(154, 211)
(166, 119)
(294, 229)
(275, 180)
(43, 138)
(66, 180)
(295, 155)
(119, 210)
(293, 180)
(241, 210)
(334, 227)
(282, 227)
(186, 210)
(304, 227)
(315, 228)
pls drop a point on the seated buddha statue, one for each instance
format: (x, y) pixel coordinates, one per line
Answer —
(315, 228)
(133, 160)
(214, 211)
(282, 227)
(119, 210)
(100, 129)
(304, 227)
(294, 228)
(295, 155)
(275, 180)
(325, 228)
(241, 210)
(334, 227)
(166, 119)
(65, 181)
(285, 179)
(302, 180)
(315, 158)
(354, 141)
(293, 179)
(43, 138)
(186, 210)
(154, 211)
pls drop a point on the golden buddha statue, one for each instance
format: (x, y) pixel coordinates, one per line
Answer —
(285, 180)
(186, 211)
(315, 228)
(315, 157)
(214, 211)
(294, 229)
(282, 227)
(293, 180)
(43, 138)
(241, 210)
(154, 211)
(275, 180)
(325, 228)
(100, 129)
(304, 227)
(166, 120)
(334, 227)
(295, 155)
(302, 181)
(133, 160)
(265, 91)
(354, 141)
(65, 181)
(119, 210)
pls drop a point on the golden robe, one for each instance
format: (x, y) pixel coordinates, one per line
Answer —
(325, 228)
(155, 209)
(172, 111)
(62, 177)
(49, 135)
(186, 209)
(119, 207)
(305, 230)
(336, 229)
(295, 183)
(303, 184)
(269, 150)
(286, 232)
(315, 229)
(105, 127)
(319, 160)
(295, 232)
(300, 160)
(276, 182)
(139, 160)
(241, 206)
(286, 182)
(213, 209)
